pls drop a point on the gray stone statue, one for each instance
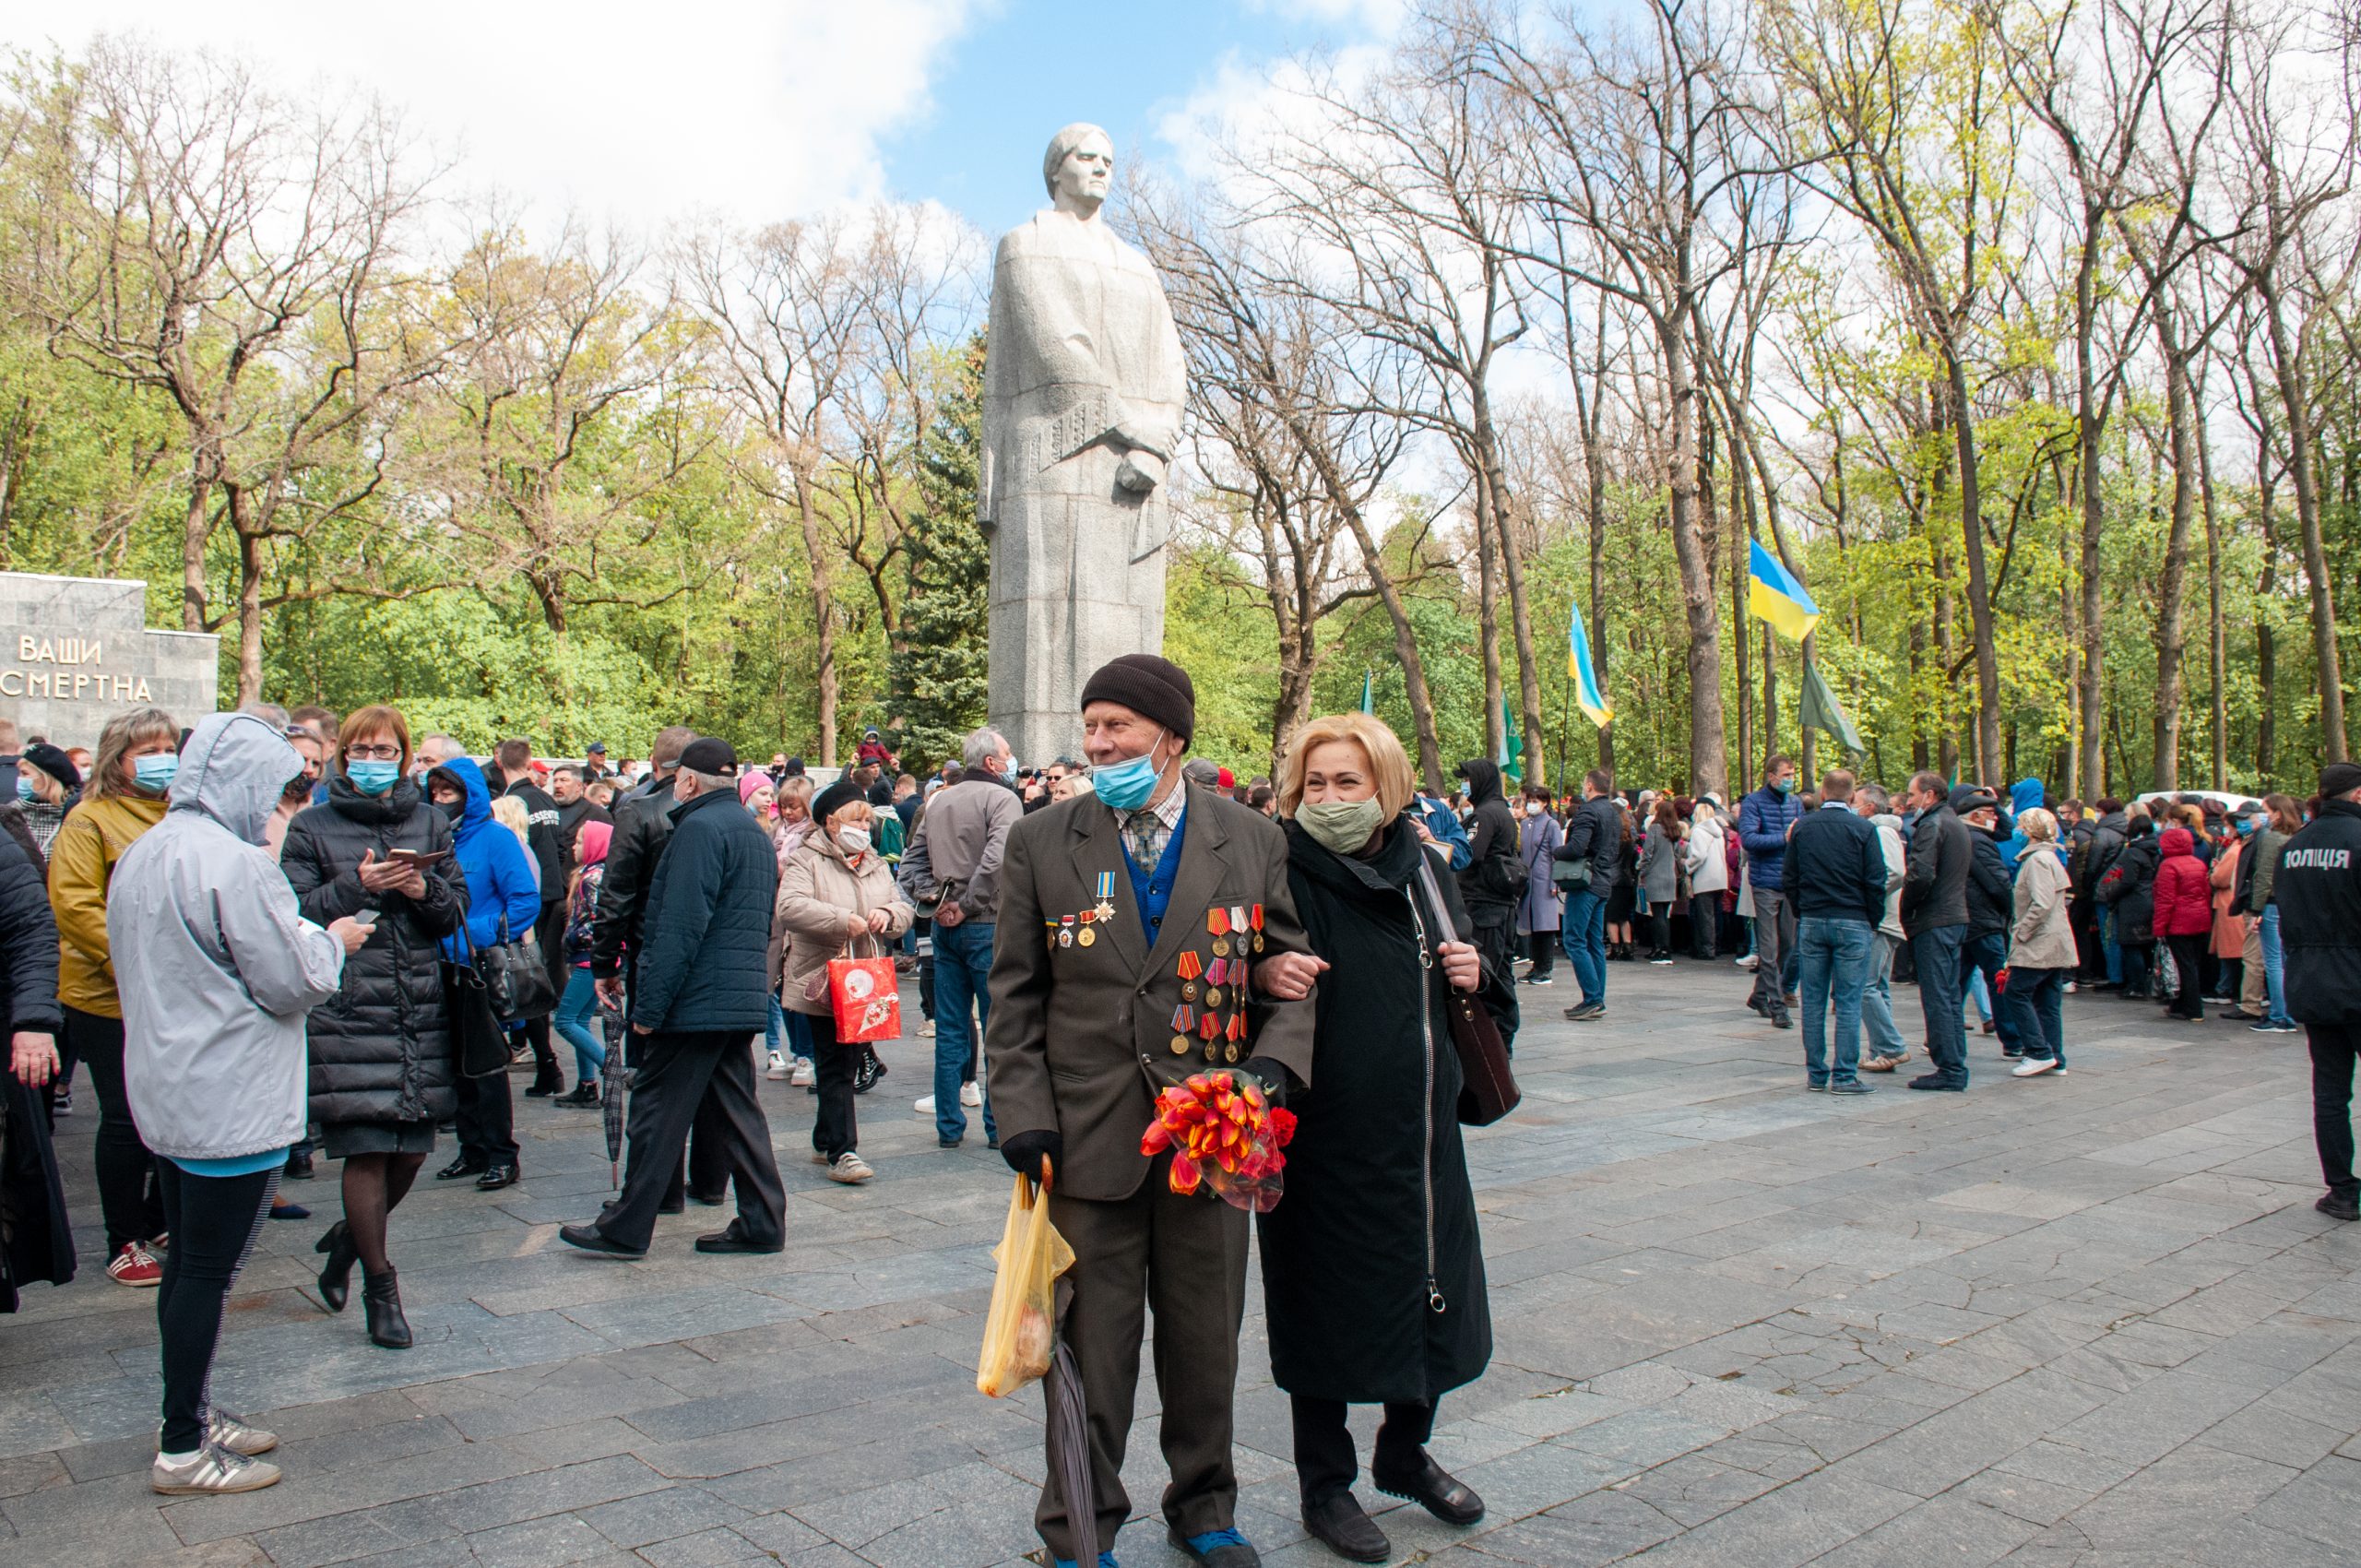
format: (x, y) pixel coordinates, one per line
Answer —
(1083, 389)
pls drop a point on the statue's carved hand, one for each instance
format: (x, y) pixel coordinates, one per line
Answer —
(1140, 471)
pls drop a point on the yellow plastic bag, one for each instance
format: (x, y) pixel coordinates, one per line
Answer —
(1020, 1330)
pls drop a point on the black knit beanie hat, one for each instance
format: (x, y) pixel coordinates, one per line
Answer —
(1152, 687)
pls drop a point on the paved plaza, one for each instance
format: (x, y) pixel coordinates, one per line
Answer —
(2087, 1321)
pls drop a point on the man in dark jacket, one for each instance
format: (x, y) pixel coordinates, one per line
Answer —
(37, 1244)
(643, 826)
(699, 997)
(2317, 890)
(2109, 834)
(1991, 907)
(1764, 818)
(574, 809)
(1595, 837)
(1835, 874)
(1934, 916)
(1494, 879)
(512, 774)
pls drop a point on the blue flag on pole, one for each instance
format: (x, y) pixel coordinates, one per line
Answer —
(1587, 695)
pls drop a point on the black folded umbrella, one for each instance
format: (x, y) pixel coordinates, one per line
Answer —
(613, 1081)
(1070, 1441)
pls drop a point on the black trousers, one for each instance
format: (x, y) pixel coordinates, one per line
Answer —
(834, 1130)
(1325, 1463)
(1496, 944)
(1705, 921)
(1659, 929)
(705, 1168)
(1541, 946)
(2334, 1048)
(2189, 957)
(487, 1120)
(671, 1075)
(215, 1220)
(129, 1201)
(549, 930)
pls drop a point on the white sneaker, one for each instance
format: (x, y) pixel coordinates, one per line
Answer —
(2034, 1066)
(850, 1168)
(971, 1095)
(924, 1105)
(237, 1437)
(212, 1469)
(926, 1028)
(776, 1073)
(1746, 963)
(803, 1077)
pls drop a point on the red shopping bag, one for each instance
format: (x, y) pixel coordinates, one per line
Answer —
(866, 1000)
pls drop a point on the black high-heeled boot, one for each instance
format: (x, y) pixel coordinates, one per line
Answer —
(384, 1304)
(335, 1274)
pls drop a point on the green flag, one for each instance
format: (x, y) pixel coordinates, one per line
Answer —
(1512, 757)
(1819, 710)
(1368, 693)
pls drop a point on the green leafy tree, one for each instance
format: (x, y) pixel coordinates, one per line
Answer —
(936, 680)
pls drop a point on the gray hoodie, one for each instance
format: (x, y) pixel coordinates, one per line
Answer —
(1891, 836)
(216, 968)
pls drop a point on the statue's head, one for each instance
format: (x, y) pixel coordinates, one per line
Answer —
(1079, 167)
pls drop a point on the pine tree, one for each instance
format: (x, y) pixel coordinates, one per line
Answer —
(937, 679)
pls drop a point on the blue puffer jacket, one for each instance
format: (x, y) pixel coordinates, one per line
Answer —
(1764, 818)
(704, 957)
(499, 869)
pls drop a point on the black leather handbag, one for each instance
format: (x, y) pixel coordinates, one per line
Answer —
(1488, 1088)
(517, 977)
(479, 1042)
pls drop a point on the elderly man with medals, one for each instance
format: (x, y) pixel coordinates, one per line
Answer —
(1131, 921)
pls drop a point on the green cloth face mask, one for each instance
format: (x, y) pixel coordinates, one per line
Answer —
(1343, 827)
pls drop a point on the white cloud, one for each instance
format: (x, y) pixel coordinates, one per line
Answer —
(1376, 15)
(759, 109)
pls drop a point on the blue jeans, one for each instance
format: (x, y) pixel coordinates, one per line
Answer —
(962, 963)
(1584, 940)
(1877, 999)
(576, 1017)
(2275, 966)
(1834, 955)
(774, 1026)
(2114, 947)
(2038, 999)
(1937, 955)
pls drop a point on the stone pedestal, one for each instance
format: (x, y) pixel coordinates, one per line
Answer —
(76, 651)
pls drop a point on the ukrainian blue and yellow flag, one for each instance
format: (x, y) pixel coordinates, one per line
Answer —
(1777, 597)
(1587, 697)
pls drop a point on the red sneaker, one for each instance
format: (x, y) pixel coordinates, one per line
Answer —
(136, 1266)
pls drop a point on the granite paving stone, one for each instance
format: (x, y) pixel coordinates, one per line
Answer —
(2089, 1321)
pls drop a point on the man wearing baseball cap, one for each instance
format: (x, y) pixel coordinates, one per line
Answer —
(1114, 906)
(699, 996)
(2318, 891)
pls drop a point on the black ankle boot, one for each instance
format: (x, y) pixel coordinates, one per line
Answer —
(335, 1274)
(383, 1302)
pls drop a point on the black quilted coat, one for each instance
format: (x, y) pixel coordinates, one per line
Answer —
(381, 1047)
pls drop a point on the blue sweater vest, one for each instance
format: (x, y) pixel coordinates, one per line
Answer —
(1152, 891)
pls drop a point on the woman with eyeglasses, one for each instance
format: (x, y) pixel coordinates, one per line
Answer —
(381, 1074)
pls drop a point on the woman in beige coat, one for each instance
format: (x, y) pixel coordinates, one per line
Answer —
(836, 897)
(2041, 947)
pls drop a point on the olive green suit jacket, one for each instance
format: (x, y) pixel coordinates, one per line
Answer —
(1081, 1036)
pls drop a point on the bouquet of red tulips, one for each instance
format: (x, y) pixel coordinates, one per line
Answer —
(1224, 1132)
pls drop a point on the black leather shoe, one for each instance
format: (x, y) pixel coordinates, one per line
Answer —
(299, 1165)
(335, 1274)
(1432, 1489)
(459, 1168)
(497, 1177)
(735, 1239)
(383, 1302)
(590, 1239)
(2338, 1205)
(546, 1084)
(1338, 1524)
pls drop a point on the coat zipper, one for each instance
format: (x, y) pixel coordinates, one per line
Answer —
(1427, 1101)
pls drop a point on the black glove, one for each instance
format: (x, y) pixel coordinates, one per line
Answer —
(1274, 1078)
(1025, 1151)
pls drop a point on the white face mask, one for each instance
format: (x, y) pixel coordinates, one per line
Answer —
(854, 840)
(1533, 808)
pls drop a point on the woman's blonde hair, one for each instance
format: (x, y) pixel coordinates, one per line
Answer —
(509, 811)
(2038, 826)
(138, 727)
(1389, 765)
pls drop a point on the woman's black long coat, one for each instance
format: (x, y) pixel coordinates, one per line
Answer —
(1372, 1270)
(381, 1046)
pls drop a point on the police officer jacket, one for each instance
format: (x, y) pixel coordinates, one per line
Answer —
(2318, 889)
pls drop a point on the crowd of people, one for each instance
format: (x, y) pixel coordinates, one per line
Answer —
(279, 936)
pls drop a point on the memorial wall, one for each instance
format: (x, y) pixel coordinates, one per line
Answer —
(75, 651)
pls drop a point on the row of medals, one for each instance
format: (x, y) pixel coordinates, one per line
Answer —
(1226, 1044)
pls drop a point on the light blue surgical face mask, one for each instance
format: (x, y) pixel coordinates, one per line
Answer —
(24, 788)
(370, 777)
(154, 772)
(1127, 785)
(1785, 786)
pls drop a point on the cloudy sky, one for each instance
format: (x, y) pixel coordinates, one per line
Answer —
(756, 108)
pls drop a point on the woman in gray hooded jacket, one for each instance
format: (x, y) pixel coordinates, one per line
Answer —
(216, 969)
